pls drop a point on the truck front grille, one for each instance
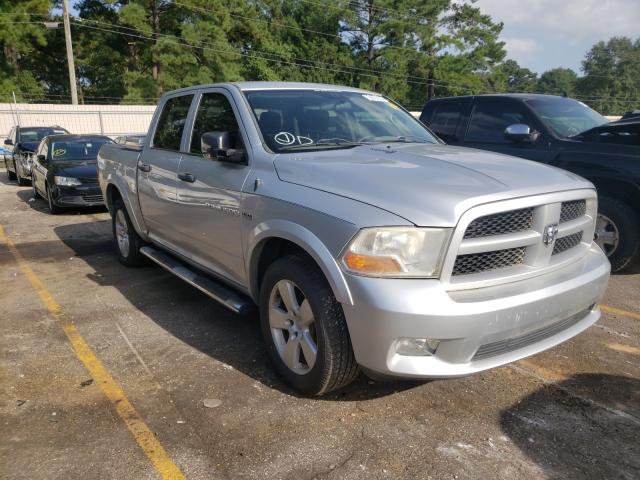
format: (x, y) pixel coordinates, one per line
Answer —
(520, 238)
(510, 344)
(565, 243)
(485, 261)
(572, 210)
(500, 223)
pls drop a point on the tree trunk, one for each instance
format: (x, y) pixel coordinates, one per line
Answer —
(155, 28)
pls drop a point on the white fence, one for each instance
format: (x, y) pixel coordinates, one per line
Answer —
(111, 120)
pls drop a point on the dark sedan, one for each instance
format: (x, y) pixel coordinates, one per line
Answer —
(22, 142)
(65, 171)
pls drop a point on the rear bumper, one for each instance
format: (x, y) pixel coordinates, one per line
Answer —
(477, 329)
(82, 196)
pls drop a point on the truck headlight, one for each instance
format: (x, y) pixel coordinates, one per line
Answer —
(401, 252)
(66, 181)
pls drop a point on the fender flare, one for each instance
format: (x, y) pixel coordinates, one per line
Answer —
(304, 239)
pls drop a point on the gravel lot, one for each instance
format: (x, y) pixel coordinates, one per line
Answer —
(570, 412)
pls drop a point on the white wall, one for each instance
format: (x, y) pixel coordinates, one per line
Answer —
(112, 120)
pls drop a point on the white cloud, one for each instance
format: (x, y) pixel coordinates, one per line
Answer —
(520, 47)
(570, 19)
(543, 34)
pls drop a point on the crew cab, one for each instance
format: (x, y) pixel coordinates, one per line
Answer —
(564, 133)
(365, 241)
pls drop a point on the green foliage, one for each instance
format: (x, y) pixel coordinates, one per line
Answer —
(410, 50)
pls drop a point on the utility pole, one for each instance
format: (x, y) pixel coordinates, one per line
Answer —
(67, 40)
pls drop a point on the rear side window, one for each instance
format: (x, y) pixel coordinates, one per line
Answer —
(491, 117)
(445, 120)
(214, 115)
(171, 123)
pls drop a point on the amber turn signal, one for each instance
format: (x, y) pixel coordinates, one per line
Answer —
(358, 262)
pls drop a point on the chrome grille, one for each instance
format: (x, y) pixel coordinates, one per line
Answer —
(572, 210)
(500, 223)
(565, 243)
(510, 344)
(485, 261)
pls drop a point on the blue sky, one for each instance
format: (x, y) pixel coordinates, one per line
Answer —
(544, 34)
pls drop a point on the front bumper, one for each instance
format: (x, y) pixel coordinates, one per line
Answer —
(478, 329)
(81, 196)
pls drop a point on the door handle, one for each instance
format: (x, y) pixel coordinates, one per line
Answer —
(186, 177)
(143, 167)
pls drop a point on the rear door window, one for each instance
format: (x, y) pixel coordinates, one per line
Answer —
(171, 123)
(446, 119)
(490, 118)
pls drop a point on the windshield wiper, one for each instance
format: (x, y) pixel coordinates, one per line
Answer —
(329, 143)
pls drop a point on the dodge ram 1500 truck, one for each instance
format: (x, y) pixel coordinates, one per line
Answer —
(365, 241)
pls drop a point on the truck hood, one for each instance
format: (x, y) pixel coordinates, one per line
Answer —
(428, 185)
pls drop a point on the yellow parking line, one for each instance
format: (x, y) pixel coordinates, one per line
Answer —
(140, 431)
(619, 311)
(619, 347)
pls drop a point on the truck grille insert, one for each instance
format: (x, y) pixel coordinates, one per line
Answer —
(510, 344)
(500, 223)
(565, 243)
(572, 210)
(485, 261)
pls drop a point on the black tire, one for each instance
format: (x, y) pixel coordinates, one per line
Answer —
(625, 221)
(11, 175)
(131, 256)
(335, 364)
(53, 208)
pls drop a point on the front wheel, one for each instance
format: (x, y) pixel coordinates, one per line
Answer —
(11, 175)
(126, 239)
(53, 208)
(21, 181)
(617, 232)
(304, 327)
(34, 190)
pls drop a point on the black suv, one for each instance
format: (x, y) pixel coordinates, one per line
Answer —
(22, 141)
(561, 132)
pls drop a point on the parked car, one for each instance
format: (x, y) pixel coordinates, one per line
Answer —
(22, 141)
(631, 114)
(364, 240)
(65, 172)
(564, 133)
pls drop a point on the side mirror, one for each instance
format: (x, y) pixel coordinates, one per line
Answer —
(518, 132)
(8, 141)
(217, 146)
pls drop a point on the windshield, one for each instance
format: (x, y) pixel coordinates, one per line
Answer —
(77, 150)
(566, 117)
(322, 119)
(34, 135)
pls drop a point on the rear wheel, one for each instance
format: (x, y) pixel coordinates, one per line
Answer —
(304, 327)
(126, 239)
(617, 232)
(53, 208)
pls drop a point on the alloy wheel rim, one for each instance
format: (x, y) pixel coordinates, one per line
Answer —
(122, 233)
(606, 235)
(293, 327)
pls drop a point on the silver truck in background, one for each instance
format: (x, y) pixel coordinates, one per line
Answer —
(364, 240)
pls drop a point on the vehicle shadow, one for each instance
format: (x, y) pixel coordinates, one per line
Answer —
(40, 204)
(189, 315)
(587, 427)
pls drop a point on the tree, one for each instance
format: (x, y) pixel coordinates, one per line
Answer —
(611, 82)
(558, 81)
(19, 41)
(511, 77)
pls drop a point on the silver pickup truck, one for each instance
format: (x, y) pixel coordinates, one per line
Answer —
(365, 241)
